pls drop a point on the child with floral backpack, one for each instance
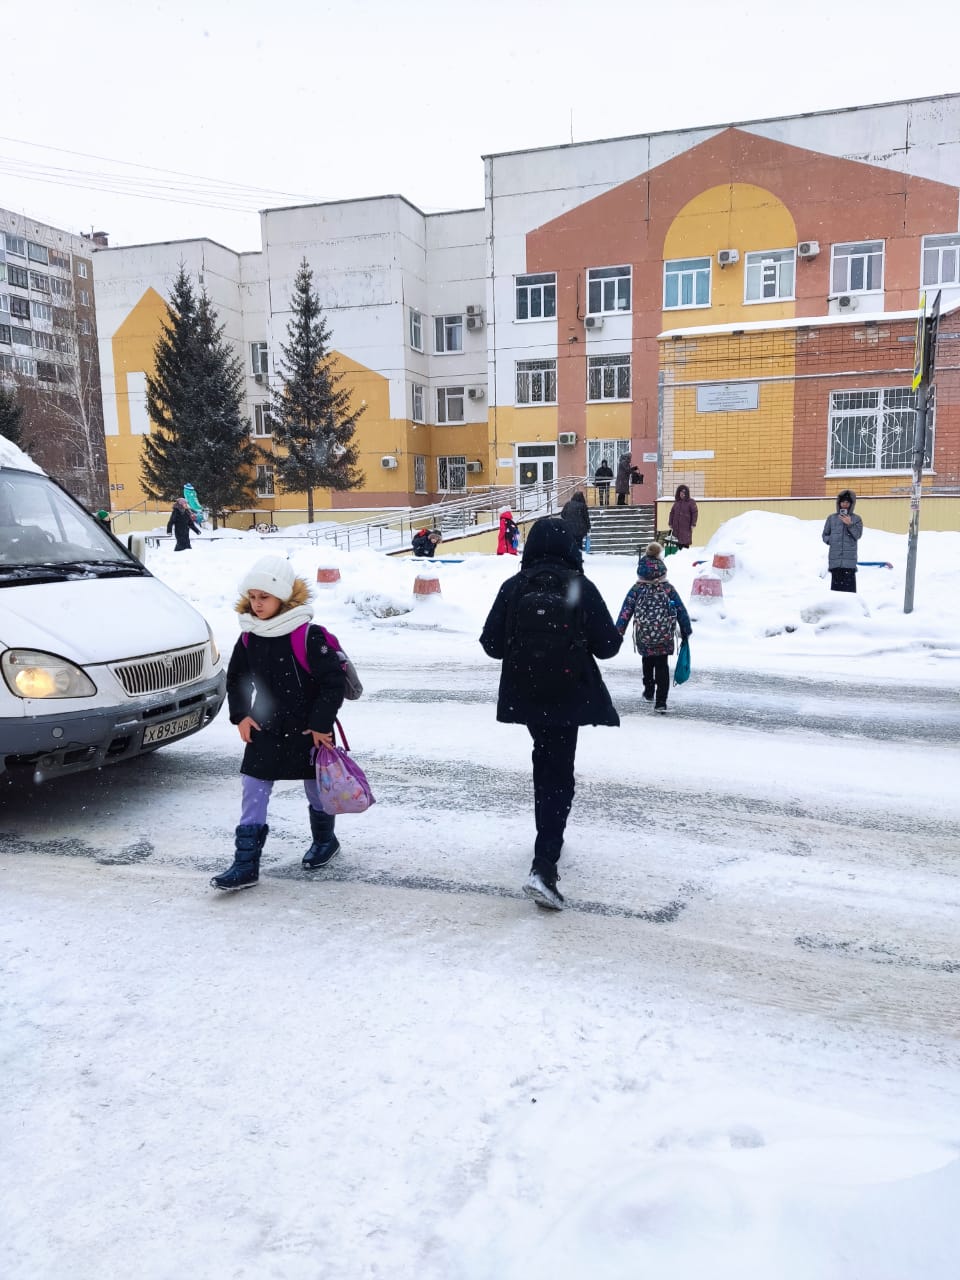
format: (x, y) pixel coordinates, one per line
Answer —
(656, 610)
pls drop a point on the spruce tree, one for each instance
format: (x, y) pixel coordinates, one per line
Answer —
(11, 411)
(194, 400)
(310, 413)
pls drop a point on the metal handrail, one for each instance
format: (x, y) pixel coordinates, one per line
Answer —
(526, 502)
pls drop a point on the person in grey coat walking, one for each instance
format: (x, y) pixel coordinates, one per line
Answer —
(841, 533)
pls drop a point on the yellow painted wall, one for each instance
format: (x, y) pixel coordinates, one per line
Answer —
(133, 345)
(510, 426)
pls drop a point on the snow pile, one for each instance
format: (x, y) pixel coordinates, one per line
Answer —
(13, 456)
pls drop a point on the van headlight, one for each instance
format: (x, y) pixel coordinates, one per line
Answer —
(214, 651)
(30, 674)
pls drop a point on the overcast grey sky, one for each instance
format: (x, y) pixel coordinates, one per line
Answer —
(251, 104)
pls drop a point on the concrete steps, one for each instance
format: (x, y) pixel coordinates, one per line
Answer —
(619, 531)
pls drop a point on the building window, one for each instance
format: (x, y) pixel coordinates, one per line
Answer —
(59, 260)
(874, 430)
(449, 334)
(261, 420)
(21, 337)
(265, 482)
(608, 377)
(42, 311)
(39, 282)
(416, 329)
(82, 270)
(20, 308)
(44, 341)
(941, 260)
(417, 397)
(449, 404)
(608, 290)
(83, 326)
(4, 333)
(857, 268)
(22, 365)
(451, 475)
(46, 371)
(419, 473)
(258, 357)
(62, 288)
(686, 283)
(537, 296)
(770, 275)
(37, 253)
(83, 297)
(4, 302)
(18, 276)
(536, 382)
(16, 245)
(3, 272)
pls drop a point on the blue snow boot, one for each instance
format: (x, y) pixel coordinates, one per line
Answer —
(245, 871)
(325, 844)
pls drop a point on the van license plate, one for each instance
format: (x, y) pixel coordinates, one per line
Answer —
(171, 728)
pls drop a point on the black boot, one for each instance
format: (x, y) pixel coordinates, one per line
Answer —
(325, 844)
(245, 871)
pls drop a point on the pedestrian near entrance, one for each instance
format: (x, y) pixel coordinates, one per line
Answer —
(841, 533)
(622, 485)
(683, 517)
(548, 624)
(508, 538)
(282, 710)
(656, 609)
(601, 478)
(180, 524)
(577, 517)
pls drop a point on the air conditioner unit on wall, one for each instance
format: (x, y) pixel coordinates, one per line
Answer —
(808, 248)
(846, 303)
(593, 322)
(474, 466)
(388, 462)
(476, 393)
(567, 437)
(260, 377)
(474, 323)
(727, 257)
(474, 309)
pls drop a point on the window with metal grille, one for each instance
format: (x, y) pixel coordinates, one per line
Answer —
(536, 382)
(451, 474)
(419, 473)
(608, 377)
(265, 482)
(874, 430)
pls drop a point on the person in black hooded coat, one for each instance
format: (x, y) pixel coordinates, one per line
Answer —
(551, 548)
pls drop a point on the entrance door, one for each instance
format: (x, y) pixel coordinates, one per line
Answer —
(536, 472)
(597, 450)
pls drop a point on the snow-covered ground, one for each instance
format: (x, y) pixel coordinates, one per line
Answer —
(735, 1055)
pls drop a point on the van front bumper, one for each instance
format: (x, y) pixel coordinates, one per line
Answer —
(53, 745)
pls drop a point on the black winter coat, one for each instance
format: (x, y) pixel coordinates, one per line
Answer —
(180, 524)
(551, 545)
(575, 514)
(265, 681)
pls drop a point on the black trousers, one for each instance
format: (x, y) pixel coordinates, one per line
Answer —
(656, 677)
(843, 580)
(554, 754)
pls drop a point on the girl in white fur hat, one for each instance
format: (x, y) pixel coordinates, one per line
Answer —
(282, 708)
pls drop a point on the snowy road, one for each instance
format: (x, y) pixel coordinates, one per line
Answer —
(760, 958)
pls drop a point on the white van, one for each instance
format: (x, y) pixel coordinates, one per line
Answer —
(99, 661)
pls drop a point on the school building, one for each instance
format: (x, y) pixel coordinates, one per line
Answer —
(735, 305)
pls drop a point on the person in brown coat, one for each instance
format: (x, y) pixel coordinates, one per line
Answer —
(683, 517)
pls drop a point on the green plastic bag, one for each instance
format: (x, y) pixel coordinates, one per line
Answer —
(681, 672)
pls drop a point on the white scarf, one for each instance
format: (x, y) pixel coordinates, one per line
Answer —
(281, 624)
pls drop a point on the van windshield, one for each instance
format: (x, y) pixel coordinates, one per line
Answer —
(44, 533)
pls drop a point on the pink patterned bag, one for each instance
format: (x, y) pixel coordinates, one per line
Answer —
(342, 783)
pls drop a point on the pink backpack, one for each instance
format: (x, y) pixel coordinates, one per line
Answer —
(298, 642)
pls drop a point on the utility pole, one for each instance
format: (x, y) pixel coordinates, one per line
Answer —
(923, 363)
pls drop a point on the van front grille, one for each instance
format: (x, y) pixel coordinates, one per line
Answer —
(161, 670)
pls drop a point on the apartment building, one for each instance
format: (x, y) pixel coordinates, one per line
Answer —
(48, 348)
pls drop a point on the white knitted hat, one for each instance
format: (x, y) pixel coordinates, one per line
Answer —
(272, 574)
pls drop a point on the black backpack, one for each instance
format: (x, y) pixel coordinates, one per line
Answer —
(546, 635)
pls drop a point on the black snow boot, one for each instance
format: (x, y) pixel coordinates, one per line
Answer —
(245, 871)
(541, 886)
(325, 843)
